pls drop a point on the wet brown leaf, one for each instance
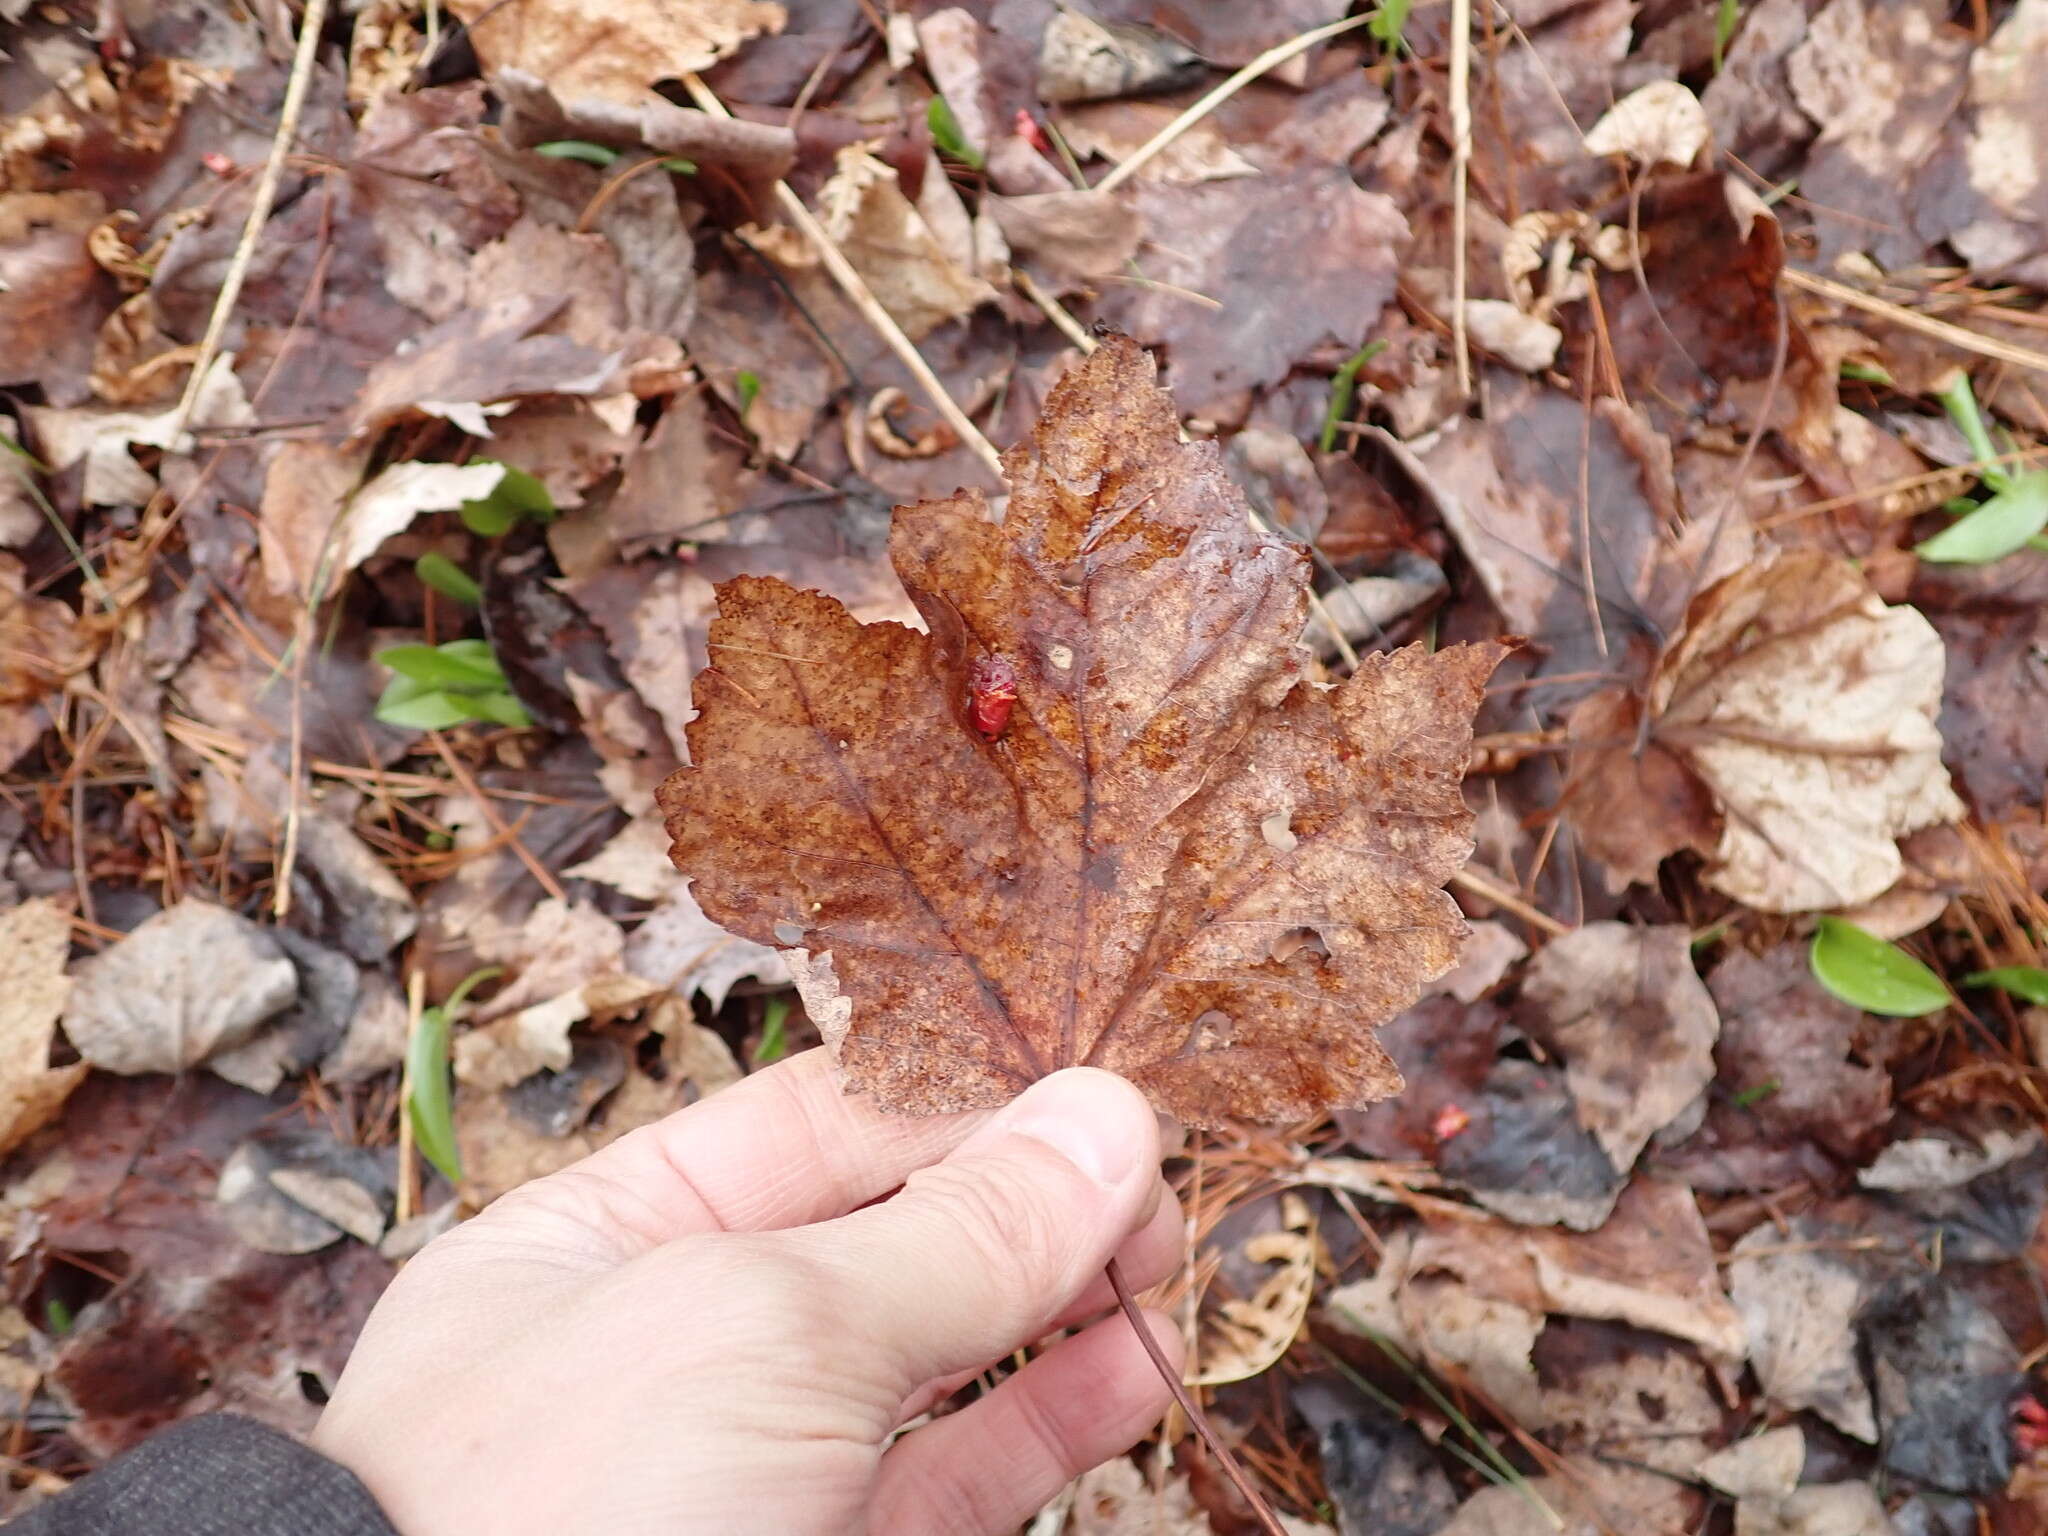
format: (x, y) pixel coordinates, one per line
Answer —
(200, 1321)
(1176, 859)
(1786, 1065)
(1333, 246)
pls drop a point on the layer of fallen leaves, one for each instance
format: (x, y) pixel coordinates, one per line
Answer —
(1649, 1184)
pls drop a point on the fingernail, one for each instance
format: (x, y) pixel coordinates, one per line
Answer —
(1093, 1120)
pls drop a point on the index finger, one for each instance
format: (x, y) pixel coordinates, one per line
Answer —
(783, 1147)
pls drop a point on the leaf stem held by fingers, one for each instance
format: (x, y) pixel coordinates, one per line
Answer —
(1261, 1510)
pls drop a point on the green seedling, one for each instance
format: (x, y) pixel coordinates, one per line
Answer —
(577, 149)
(1726, 19)
(2026, 982)
(1389, 22)
(774, 1031)
(948, 138)
(747, 385)
(1866, 972)
(1757, 1094)
(439, 686)
(2011, 518)
(516, 496)
(1343, 386)
(448, 578)
(429, 1097)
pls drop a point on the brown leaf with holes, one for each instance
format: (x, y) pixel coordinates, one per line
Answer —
(1176, 857)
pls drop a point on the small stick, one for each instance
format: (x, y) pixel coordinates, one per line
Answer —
(310, 24)
(864, 300)
(1261, 1510)
(1271, 59)
(1913, 320)
(510, 835)
(1508, 901)
(1461, 165)
(1063, 321)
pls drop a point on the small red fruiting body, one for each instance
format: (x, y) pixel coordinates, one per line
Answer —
(1027, 129)
(1450, 1121)
(991, 695)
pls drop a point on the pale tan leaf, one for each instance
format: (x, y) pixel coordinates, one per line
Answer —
(1807, 705)
(1659, 123)
(35, 941)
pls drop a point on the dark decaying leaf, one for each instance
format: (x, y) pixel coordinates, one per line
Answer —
(1180, 860)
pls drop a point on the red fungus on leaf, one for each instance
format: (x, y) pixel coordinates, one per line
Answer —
(991, 695)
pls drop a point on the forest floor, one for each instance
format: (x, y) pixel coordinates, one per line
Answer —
(388, 399)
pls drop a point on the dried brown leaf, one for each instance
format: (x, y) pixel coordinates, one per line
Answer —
(1635, 1026)
(1095, 885)
(636, 43)
(1807, 705)
(889, 241)
(1311, 232)
(190, 981)
(1797, 709)
(1650, 1264)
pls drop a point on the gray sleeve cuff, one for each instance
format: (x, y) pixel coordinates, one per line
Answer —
(218, 1475)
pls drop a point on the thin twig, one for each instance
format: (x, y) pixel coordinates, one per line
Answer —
(1508, 901)
(1461, 167)
(1590, 592)
(864, 300)
(1913, 320)
(310, 25)
(470, 787)
(1054, 310)
(1271, 59)
(1971, 468)
(1261, 1510)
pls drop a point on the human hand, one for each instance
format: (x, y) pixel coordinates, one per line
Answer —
(709, 1327)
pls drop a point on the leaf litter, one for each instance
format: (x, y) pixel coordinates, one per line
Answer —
(1650, 1182)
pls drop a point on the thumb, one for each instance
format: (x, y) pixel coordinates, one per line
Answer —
(979, 1253)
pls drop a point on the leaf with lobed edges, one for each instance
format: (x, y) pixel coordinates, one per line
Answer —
(1101, 884)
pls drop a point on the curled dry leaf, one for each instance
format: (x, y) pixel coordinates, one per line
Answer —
(1250, 1336)
(1805, 706)
(975, 903)
(1663, 121)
